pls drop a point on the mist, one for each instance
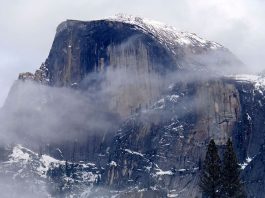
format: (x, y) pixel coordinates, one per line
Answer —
(238, 25)
(13, 188)
(36, 113)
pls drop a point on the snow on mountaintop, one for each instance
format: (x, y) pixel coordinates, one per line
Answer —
(257, 80)
(166, 34)
(246, 77)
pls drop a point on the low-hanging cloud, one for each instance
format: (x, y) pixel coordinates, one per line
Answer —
(238, 25)
(36, 113)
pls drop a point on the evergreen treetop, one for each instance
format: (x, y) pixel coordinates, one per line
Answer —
(210, 181)
(232, 186)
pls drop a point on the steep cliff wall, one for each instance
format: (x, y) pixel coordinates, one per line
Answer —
(131, 53)
(126, 67)
(167, 143)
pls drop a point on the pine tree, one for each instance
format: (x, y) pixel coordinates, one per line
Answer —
(232, 186)
(210, 181)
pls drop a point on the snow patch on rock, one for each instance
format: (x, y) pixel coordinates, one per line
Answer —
(246, 163)
(133, 152)
(162, 172)
(20, 154)
(257, 80)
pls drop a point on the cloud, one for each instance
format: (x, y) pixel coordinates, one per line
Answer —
(28, 27)
(37, 114)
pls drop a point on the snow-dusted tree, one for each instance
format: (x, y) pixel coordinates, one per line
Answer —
(232, 186)
(210, 180)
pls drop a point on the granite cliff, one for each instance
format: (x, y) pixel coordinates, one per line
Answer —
(167, 93)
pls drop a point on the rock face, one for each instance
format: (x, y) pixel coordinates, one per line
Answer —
(168, 143)
(139, 51)
(153, 79)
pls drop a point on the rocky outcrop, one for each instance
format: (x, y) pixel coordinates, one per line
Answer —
(40, 75)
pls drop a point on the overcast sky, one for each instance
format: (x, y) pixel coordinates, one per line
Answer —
(28, 26)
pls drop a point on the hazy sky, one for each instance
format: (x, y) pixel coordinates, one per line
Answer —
(28, 26)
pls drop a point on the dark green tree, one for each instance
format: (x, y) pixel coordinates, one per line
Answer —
(210, 180)
(232, 186)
